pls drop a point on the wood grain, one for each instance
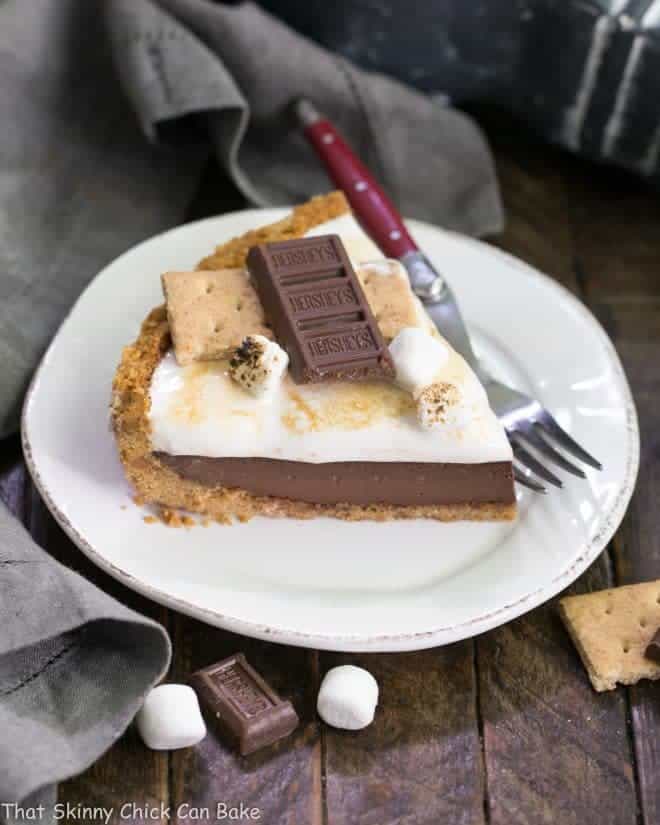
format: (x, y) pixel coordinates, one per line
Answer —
(554, 752)
(420, 761)
(282, 781)
(618, 244)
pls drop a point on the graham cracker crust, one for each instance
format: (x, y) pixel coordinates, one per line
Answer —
(156, 484)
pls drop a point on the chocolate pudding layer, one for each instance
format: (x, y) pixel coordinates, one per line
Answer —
(352, 482)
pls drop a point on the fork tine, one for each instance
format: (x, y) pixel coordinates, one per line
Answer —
(521, 478)
(548, 423)
(532, 463)
(531, 435)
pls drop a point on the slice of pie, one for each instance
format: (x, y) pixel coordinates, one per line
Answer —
(213, 413)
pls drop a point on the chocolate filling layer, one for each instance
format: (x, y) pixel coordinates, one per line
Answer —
(353, 482)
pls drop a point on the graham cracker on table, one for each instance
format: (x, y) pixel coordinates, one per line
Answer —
(389, 295)
(611, 630)
(210, 312)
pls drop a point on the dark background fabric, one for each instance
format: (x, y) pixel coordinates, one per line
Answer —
(583, 73)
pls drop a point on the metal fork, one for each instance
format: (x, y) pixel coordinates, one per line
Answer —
(526, 421)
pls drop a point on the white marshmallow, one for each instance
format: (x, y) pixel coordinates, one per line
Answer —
(386, 268)
(170, 718)
(258, 365)
(417, 358)
(348, 697)
(440, 405)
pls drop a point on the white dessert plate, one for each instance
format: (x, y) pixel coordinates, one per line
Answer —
(324, 583)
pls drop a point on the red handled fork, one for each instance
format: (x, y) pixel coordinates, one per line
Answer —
(526, 421)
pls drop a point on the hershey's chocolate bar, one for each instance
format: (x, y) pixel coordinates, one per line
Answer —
(246, 709)
(318, 311)
(653, 649)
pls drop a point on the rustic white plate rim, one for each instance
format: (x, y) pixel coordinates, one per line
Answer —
(427, 635)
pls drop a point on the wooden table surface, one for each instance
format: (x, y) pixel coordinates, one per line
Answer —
(500, 729)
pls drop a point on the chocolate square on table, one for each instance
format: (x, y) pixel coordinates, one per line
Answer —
(247, 711)
(318, 310)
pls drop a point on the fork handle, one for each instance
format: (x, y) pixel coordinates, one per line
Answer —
(374, 210)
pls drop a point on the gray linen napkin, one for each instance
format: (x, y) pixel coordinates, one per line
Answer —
(78, 185)
(74, 667)
(243, 68)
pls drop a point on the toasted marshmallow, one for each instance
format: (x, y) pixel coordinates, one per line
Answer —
(440, 405)
(170, 718)
(258, 365)
(417, 357)
(348, 697)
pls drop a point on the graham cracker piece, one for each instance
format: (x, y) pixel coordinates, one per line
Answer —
(611, 630)
(211, 312)
(388, 291)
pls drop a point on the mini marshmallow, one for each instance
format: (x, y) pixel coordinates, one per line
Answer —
(385, 267)
(438, 406)
(348, 697)
(418, 357)
(170, 718)
(258, 365)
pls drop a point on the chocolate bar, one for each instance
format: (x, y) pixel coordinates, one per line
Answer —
(318, 311)
(246, 709)
(653, 649)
